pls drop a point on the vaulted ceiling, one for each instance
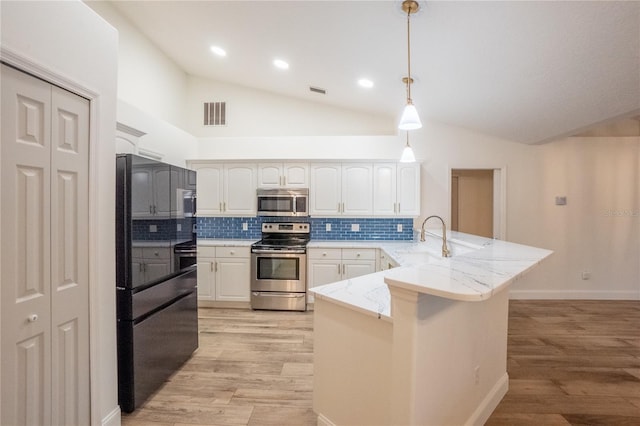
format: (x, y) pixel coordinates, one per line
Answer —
(524, 71)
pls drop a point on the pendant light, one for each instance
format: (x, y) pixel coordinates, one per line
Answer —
(407, 153)
(410, 119)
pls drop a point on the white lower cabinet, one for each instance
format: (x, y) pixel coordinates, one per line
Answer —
(328, 265)
(385, 261)
(224, 273)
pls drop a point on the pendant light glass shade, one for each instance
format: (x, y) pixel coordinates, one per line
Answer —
(407, 153)
(410, 119)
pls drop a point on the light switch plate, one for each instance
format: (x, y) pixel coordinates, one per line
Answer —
(355, 227)
(153, 228)
(399, 227)
(561, 201)
(179, 227)
(327, 227)
(245, 226)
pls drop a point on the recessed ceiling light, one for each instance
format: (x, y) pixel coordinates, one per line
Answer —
(365, 82)
(279, 63)
(218, 51)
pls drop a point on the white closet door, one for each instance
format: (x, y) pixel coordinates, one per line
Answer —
(69, 258)
(44, 272)
(25, 268)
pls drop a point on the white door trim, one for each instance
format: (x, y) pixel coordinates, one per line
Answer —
(34, 68)
(499, 197)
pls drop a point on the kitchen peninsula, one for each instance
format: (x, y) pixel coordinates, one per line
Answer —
(422, 344)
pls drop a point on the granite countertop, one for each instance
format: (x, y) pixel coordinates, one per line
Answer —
(478, 268)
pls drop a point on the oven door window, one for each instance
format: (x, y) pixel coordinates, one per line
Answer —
(278, 268)
(275, 204)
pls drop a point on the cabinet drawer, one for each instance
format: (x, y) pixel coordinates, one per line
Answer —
(329, 253)
(233, 251)
(359, 254)
(206, 251)
(156, 252)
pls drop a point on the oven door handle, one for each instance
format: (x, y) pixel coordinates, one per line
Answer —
(277, 252)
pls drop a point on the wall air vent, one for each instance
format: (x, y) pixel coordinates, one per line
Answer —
(215, 113)
(318, 90)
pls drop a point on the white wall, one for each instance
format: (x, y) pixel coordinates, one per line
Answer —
(258, 113)
(147, 78)
(68, 44)
(173, 143)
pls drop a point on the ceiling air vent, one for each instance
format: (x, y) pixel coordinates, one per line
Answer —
(318, 90)
(215, 113)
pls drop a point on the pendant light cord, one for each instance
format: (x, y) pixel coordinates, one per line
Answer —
(409, 54)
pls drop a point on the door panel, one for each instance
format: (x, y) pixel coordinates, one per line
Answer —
(25, 239)
(69, 266)
(44, 238)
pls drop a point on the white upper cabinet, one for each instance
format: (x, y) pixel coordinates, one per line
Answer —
(209, 187)
(408, 189)
(240, 189)
(396, 189)
(325, 191)
(283, 175)
(357, 189)
(226, 189)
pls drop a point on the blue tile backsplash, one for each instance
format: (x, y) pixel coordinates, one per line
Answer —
(370, 228)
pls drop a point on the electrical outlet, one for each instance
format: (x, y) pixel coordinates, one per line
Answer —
(245, 226)
(586, 275)
(476, 374)
(399, 227)
(355, 227)
(179, 227)
(327, 227)
(153, 228)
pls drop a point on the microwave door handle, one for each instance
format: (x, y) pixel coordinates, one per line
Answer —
(295, 204)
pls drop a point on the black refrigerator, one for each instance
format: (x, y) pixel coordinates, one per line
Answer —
(157, 319)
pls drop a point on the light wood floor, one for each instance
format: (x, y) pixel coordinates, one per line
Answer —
(569, 363)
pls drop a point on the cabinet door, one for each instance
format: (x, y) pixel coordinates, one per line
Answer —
(209, 188)
(408, 189)
(325, 191)
(206, 278)
(384, 189)
(141, 193)
(356, 268)
(162, 179)
(270, 175)
(240, 184)
(322, 272)
(232, 280)
(295, 175)
(357, 189)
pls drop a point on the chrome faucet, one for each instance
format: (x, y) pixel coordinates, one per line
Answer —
(445, 250)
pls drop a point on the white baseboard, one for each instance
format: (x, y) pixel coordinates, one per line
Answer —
(113, 418)
(489, 403)
(575, 294)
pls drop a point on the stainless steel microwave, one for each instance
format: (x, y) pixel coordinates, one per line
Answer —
(283, 202)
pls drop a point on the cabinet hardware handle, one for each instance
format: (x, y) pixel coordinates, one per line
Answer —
(224, 206)
(398, 207)
(211, 266)
(32, 318)
(284, 180)
(344, 269)
(395, 208)
(220, 205)
(339, 273)
(155, 209)
(216, 268)
(232, 252)
(150, 209)
(357, 254)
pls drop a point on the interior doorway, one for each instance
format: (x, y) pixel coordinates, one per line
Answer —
(475, 202)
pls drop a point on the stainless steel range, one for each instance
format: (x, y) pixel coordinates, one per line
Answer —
(279, 267)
